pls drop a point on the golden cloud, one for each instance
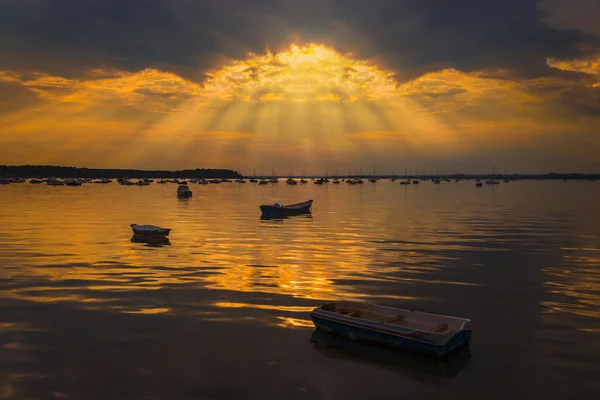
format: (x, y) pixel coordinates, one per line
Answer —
(295, 104)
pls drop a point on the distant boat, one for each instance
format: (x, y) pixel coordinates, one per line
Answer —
(319, 181)
(478, 184)
(253, 179)
(336, 181)
(240, 180)
(273, 180)
(373, 179)
(54, 182)
(184, 192)
(125, 182)
(436, 181)
(416, 182)
(492, 181)
(149, 231)
(225, 180)
(279, 211)
(142, 183)
(291, 181)
(303, 181)
(72, 182)
(36, 181)
(263, 182)
(215, 181)
(203, 182)
(163, 181)
(407, 329)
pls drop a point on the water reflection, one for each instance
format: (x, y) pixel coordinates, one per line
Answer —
(156, 241)
(448, 249)
(424, 369)
(265, 219)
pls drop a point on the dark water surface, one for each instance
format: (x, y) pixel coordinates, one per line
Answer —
(222, 311)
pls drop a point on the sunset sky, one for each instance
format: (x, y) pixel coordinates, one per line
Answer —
(311, 85)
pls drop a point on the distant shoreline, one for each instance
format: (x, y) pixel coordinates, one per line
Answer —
(46, 171)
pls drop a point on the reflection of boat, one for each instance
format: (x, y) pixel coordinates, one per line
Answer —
(183, 192)
(434, 371)
(278, 211)
(412, 330)
(149, 231)
(151, 240)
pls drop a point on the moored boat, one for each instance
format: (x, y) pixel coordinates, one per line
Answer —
(412, 330)
(149, 231)
(279, 211)
(184, 192)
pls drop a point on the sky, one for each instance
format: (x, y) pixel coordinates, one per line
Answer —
(304, 86)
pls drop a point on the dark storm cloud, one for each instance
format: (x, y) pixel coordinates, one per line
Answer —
(67, 36)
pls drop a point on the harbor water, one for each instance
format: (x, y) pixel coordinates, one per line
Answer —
(221, 311)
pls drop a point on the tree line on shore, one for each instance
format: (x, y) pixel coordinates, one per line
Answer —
(46, 171)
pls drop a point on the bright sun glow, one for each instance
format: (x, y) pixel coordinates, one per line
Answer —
(313, 72)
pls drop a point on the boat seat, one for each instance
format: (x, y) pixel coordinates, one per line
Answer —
(349, 313)
(395, 319)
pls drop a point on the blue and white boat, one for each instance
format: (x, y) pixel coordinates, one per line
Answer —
(278, 211)
(412, 330)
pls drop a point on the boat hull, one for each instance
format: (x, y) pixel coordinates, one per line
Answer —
(384, 334)
(147, 233)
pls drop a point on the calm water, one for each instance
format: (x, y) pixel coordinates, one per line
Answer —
(222, 311)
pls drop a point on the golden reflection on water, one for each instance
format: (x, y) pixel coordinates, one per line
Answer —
(373, 242)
